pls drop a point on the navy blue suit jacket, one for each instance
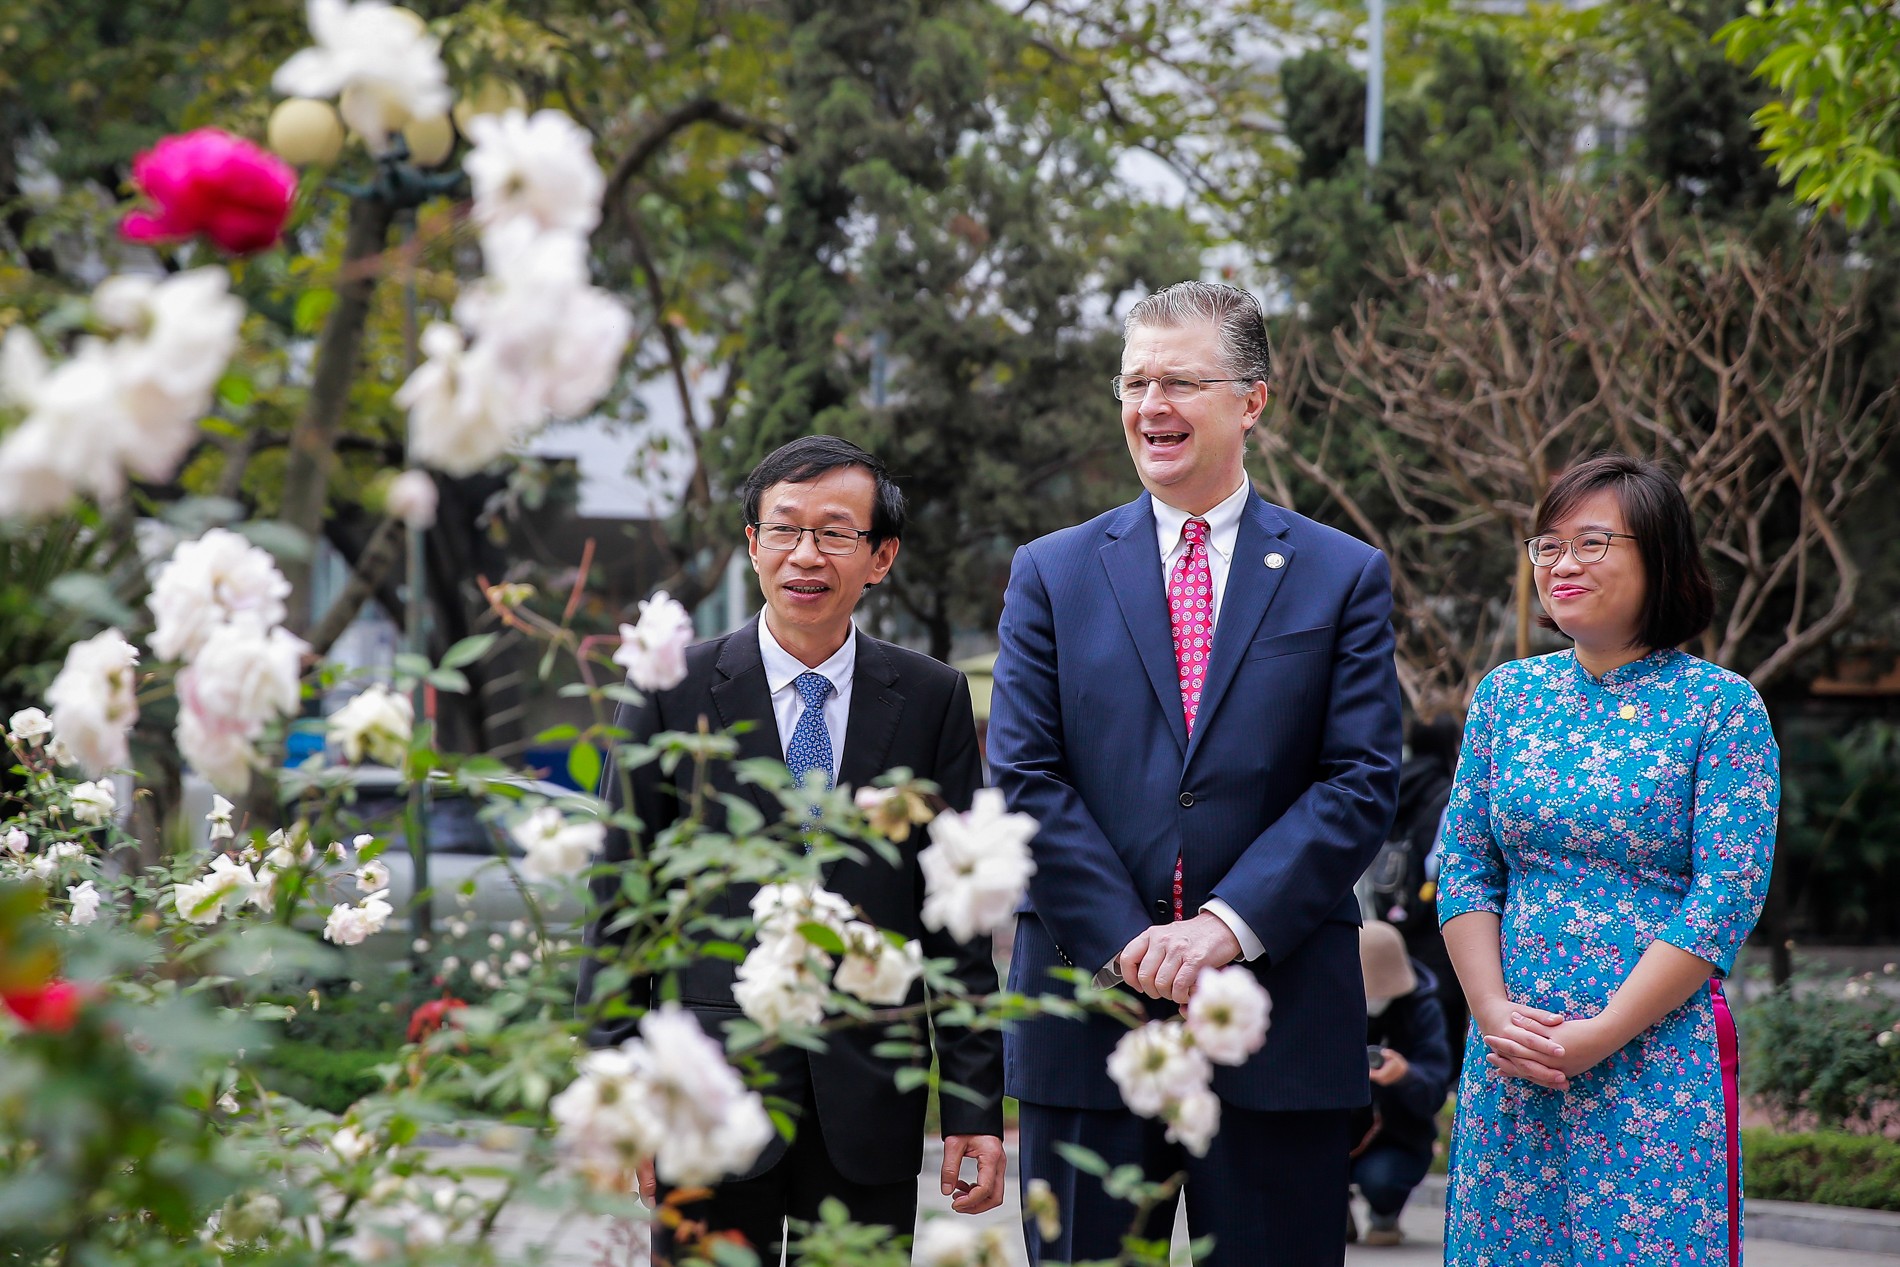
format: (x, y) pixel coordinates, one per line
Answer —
(1276, 805)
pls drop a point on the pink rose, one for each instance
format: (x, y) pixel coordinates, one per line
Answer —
(212, 183)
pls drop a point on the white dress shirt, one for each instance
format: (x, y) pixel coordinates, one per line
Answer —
(1223, 533)
(782, 668)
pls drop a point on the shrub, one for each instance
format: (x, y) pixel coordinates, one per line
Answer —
(324, 1078)
(1817, 1056)
(1824, 1167)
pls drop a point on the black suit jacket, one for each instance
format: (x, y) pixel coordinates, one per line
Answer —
(906, 710)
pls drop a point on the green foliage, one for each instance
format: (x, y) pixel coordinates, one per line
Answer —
(1833, 130)
(1814, 1055)
(323, 1077)
(1822, 1167)
(1838, 852)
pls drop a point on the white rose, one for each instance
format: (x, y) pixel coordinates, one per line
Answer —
(554, 847)
(245, 676)
(15, 842)
(412, 498)
(654, 651)
(221, 752)
(383, 67)
(351, 1144)
(1155, 1066)
(378, 723)
(372, 875)
(977, 866)
(465, 411)
(217, 579)
(95, 700)
(962, 1243)
(876, 971)
(539, 168)
(29, 726)
(220, 819)
(713, 1125)
(85, 901)
(93, 803)
(1194, 1121)
(352, 925)
(1227, 1016)
(780, 908)
(779, 983)
(180, 333)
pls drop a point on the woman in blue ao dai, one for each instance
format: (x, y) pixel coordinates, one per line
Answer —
(1605, 854)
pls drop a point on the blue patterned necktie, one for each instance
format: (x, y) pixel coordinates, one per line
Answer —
(810, 748)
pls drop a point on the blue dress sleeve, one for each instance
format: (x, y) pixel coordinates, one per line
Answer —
(1732, 833)
(1471, 869)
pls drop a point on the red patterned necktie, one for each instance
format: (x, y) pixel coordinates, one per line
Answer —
(1191, 611)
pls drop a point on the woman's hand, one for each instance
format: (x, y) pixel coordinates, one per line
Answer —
(1583, 1044)
(1520, 1044)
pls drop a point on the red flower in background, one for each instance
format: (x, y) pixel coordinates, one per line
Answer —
(212, 183)
(53, 1006)
(432, 1016)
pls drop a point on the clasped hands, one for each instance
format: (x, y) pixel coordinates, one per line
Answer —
(1165, 961)
(1542, 1047)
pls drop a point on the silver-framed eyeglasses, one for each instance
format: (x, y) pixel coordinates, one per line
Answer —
(1178, 391)
(832, 540)
(1585, 547)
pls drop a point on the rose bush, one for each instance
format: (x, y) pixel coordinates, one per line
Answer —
(141, 993)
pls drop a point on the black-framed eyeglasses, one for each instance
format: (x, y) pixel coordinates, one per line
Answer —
(832, 540)
(1176, 390)
(1585, 547)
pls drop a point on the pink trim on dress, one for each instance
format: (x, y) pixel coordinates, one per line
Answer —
(1730, 1050)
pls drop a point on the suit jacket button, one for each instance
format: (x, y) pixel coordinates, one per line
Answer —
(1187, 800)
(1164, 910)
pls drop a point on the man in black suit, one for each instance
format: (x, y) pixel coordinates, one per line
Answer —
(823, 519)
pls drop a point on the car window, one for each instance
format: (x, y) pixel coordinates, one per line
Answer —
(455, 825)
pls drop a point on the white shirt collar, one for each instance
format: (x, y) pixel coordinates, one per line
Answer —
(1223, 523)
(782, 667)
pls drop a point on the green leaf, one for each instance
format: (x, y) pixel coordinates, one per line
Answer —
(92, 595)
(451, 680)
(583, 764)
(823, 937)
(563, 733)
(910, 1078)
(468, 650)
(1083, 1159)
(313, 306)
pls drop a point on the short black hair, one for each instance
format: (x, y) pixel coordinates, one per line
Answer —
(1680, 601)
(807, 458)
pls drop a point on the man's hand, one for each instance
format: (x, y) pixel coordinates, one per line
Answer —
(987, 1192)
(649, 1189)
(1165, 961)
(1394, 1068)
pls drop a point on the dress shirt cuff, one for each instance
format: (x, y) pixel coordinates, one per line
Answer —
(1250, 946)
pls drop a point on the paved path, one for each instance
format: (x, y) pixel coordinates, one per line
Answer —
(549, 1238)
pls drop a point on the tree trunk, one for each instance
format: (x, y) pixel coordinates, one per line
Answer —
(312, 451)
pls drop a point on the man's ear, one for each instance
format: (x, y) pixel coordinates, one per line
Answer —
(881, 560)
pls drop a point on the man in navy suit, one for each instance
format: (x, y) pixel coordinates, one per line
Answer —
(1199, 804)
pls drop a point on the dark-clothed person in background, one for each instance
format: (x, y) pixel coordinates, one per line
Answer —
(823, 519)
(1409, 1079)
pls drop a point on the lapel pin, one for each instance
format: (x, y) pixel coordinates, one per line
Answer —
(1276, 560)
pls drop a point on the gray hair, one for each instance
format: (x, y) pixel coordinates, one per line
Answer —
(1244, 350)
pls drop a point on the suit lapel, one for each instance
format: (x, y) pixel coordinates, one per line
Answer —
(1251, 585)
(876, 709)
(1133, 559)
(741, 694)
